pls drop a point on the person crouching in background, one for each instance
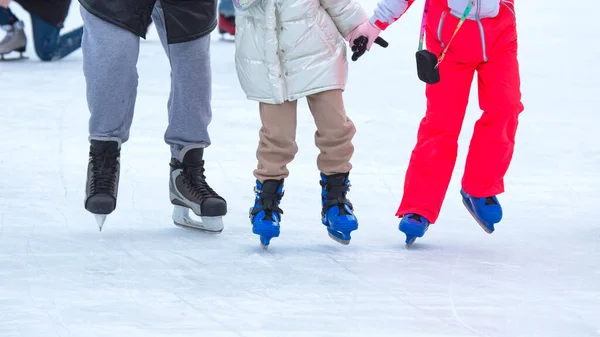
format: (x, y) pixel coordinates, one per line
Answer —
(47, 18)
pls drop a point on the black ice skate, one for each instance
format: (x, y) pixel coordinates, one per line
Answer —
(15, 40)
(189, 190)
(102, 179)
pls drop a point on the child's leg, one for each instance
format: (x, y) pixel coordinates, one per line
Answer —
(434, 156)
(277, 144)
(334, 132)
(334, 138)
(493, 141)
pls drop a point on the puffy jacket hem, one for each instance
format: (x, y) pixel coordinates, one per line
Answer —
(295, 97)
(110, 20)
(195, 36)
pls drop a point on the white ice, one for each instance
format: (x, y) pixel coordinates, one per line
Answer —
(538, 275)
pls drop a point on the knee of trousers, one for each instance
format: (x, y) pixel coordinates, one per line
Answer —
(438, 131)
(340, 133)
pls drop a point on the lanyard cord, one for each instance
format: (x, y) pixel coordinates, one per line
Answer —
(423, 24)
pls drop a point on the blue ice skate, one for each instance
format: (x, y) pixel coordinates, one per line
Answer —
(337, 213)
(414, 226)
(486, 211)
(266, 214)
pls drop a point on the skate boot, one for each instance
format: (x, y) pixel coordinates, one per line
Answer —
(486, 211)
(15, 40)
(188, 189)
(226, 25)
(266, 214)
(414, 226)
(337, 213)
(102, 179)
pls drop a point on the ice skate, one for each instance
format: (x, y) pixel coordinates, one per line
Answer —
(337, 213)
(414, 226)
(15, 40)
(486, 211)
(102, 179)
(266, 214)
(226, 26)
(188, 189)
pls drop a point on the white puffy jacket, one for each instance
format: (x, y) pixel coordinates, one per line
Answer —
(288, 49)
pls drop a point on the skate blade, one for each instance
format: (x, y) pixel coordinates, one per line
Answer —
(3, 58)
(339, 238)
(412, 232)
(410, 240)
(182, 218)
(479, 222)
(265, 242)
(100, 219)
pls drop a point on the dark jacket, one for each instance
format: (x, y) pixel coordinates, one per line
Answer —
(53, 12)
(185, 20)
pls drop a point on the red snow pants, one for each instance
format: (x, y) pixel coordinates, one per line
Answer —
(491, 50)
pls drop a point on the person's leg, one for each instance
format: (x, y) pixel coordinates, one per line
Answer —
(434, 156)
(276, 148)
(277, 140)
(189, 106)
(110, 56)
(334, 139)
(45, 38)
(334, 133)
(189, 110)
(493, 141)
(49, 44)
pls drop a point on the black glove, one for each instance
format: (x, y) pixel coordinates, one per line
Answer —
(360, 46)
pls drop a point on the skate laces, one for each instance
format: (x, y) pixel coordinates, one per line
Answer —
(104, 167)
(194, 178)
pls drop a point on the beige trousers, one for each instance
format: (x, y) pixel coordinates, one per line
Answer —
(277, 145)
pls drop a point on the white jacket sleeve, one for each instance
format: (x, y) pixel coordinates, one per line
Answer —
(347, 14)
(388, 11)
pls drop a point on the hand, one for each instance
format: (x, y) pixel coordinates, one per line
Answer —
(360, 46)
(4, 3)
(364, 29)
(362, 38)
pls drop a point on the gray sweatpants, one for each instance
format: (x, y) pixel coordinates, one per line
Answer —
(110, 56)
